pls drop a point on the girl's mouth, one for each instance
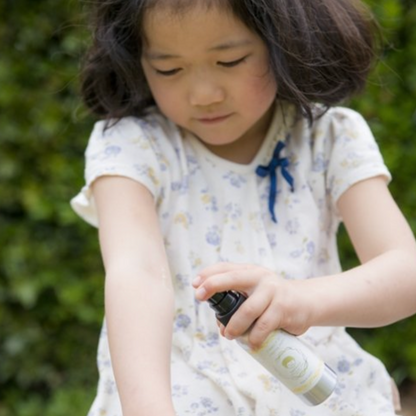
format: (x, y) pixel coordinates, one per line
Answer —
(213, 119)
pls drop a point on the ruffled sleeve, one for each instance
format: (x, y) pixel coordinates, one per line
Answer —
(129, 148)
(354, 154)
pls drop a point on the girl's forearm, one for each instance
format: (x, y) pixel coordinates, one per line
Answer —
(139, 314)
(377, 293)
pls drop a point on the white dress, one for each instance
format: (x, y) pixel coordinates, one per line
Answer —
(212, 210)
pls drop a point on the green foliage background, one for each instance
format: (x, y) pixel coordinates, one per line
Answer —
(51, 277)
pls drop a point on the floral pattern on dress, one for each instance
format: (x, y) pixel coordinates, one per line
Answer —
(213, 210)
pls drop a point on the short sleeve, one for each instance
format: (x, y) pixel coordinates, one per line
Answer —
(128, 148)
(354, 154)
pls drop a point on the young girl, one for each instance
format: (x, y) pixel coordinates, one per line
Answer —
(214, 168)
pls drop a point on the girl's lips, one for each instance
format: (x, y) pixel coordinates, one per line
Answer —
(213, 120)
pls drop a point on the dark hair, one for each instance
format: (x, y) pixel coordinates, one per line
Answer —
(321, 51)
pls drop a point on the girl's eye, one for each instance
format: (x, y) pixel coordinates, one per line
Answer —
(232, 63)
(168, 73)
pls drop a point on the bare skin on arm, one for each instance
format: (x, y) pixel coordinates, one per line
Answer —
(138, 294)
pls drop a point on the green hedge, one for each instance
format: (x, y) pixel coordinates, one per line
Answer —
(51, 277)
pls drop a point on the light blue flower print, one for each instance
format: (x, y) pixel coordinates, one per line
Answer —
(310, 248)
(294, 412)
(343, 366)
(204, 407)
(141, 169)
(353, 159)
(372, 377)
(206, 339)
(182, 187)
(193, 164)
(308, 251)
(320, 164)
(224, 259)
(213, 237)
(163, 164)
(211, 340)
(147, 171)
(110, 386)
(209, 201)
(233, 213)
(106, 363)
(346, 139)
(181, 281)
(240, 411)
(339, 388)
(111, 151)
(147, 124)
(182, 322)
(205, 365)
(296, 253)
(179, 390)
(358, 361)
(292, 226)
(235, 179)
(208, 405)
(223, 370)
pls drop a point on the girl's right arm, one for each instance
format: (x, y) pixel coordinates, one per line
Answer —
(138, 295)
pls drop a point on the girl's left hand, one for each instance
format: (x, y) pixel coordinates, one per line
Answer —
(272, 302)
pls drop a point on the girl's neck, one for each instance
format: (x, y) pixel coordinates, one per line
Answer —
(245, 149)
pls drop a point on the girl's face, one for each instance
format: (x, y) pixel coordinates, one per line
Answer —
(210, 74)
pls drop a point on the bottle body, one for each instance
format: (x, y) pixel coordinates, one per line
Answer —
(295, 365)
(283, 355)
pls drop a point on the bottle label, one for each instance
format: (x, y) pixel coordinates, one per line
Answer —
(289, 360)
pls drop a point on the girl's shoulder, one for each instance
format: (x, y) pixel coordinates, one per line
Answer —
(328, 124)
(150, 126)
(339, 120)
(332, 127)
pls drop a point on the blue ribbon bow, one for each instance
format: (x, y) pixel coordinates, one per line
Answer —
(270, 169)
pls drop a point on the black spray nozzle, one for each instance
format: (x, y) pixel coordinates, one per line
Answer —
(225, 304)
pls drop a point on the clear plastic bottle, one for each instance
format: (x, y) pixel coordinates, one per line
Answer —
(283, 355)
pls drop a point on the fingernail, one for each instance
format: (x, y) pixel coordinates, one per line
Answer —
(196, 281)
(200, 293)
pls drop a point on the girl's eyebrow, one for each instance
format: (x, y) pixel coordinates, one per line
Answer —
(231, 45)
(160, 56)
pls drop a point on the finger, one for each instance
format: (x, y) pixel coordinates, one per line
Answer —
(268, 322)
(247, 314)
(222, 267)
(242, 280)
(217, 268)
(221, 327)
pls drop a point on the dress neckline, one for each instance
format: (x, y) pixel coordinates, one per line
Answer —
(281, 121)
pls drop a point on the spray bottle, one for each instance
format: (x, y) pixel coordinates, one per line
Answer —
(283, 355)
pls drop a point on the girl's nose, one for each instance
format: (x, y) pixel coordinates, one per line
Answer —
(205, 91)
